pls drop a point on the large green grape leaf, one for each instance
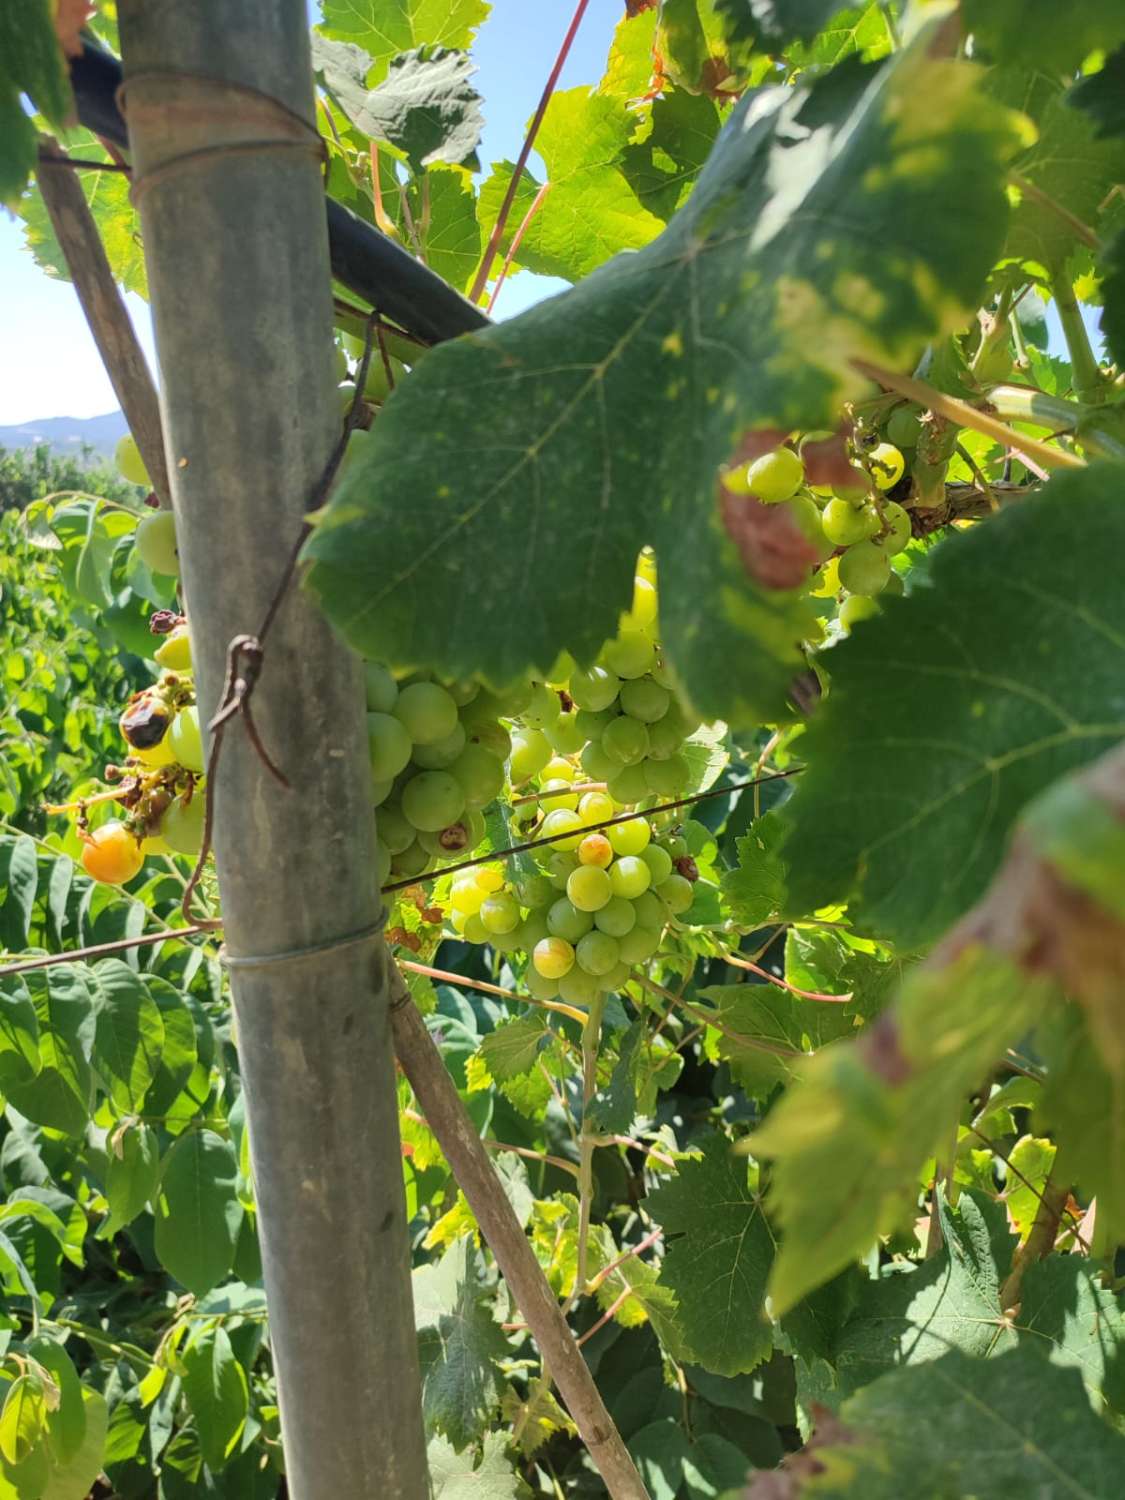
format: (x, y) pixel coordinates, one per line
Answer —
(764, 1032)
(1043, 34)
(31, 62)
(445, 212)
(1067, 1316)
(517, 473)
(850, 1136)
(460, 1344)
(959, 1426)
(386, 27)
(859, 29)
(472, 1476)
(755, 890)
(957, 705)
(719, 1256)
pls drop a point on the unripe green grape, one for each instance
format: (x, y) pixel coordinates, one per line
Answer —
(676, 846)
(533, 929)
(806, 517)
(564, 735)
(856, 607)
(630, 654)
(596, 807)
(589, 888)
(595, 849)
(433, 800)
(382, 863)
(490, 878)
(864, 569)
(568, 921)
(596, 953)
(474, 930)
(626, 740)
(631, 837)
(577, 987)
(378, 385)
(886, 464)
(174, 651)
(643, 610)
(564, 796)
(185, 740)
(440, 755)
(617, 977)
(538, 986)
(659, 862)
(592, 726)
(904, 426)
(181, 827)
(505, 942)
(413, 860)
(479, 775)
(426, 712)
(664, 738)
(393, 828)
(463, 692)
(898, 529)
(597, 765)
(130, 464)
(563, 820)
(845, 524)
(491, 737)
(854, 494)
(639, 944)
(553, 957)
(466, 896)
(389, 745)
(617, 917)
(155, 541)
(500, 913)
(894, 586)
(534, 890)
(668, 778)
(645, 700)
(558, 769)
(543, 708)
(380, 687)
(380, 791)
(594, 689)
(559, 867)
(649, 911)
(775, 476)
(628, 785)
(629, 877)
(530, 753)
(677, 893)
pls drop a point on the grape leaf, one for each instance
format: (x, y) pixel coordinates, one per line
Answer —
(1069, 1317)
(1102, 95)
(513, 1047)
(198, 1214)
(856, 30)
(1000, 1426)
(615, 443)
(937, 732)
(773, 24)
(764, 1032)
(719, 1255)
(31, 62)
(612, 1109)
(386, 27)
(460, 1344)
(469, 1476)
(1031, 32)
(451, 234)
(756, 889)
(849, 1138)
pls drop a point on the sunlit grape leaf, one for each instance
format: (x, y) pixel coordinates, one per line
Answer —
(938, 731)
(445, 212)
(1033, 33)
(856, 29)
(197, 1211)
(773, 24)
(764, 1031)
(1002, 1426)
(472, 1476)
(1067, 1316)
(606, 418)
(833, 962)
(61, 1093)
(612, 1109)
(849, 1137)
(720, 1250)
(31, 62)
(385, 27)
(630, 64)
(1102, 95)
(536, 1419)
(951, 1301)
(755, 890)
(1030, 1161)
(514, 1045)
(460, 1344)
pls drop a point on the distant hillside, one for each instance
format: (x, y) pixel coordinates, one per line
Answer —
(67, 435)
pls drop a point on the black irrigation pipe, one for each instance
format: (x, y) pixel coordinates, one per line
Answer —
(368, 263)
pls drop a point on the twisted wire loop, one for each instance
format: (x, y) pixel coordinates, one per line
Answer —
(372, 933)
(188, 104)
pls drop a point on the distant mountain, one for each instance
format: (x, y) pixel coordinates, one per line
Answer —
(67, 435)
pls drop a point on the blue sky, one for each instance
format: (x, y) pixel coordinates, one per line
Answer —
(51, 367)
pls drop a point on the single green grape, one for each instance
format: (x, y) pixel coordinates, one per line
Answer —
(440, 755)
(563, 820)
(389, 745)
(553, 957)
(447, 843)
(564, 735)
(382, 863)
(490, 878)
(466, 896)
(393, 828)
(677, 893)
(898, 529)
(589, 887)
(857, 493)
(617, 917)
(630, 654)
(639, 944)
(500, 913)
(904, 426)
(479, 774)
(676, 845)
(412, 861)
(659, 862)
(565, 798)
(491, 737)
(534, 890)
(626, 740)
(668, 778)
(597, 765)
(775, 476)
(864, 568)
(845, 524)
(130, 464)
(592, 726)
(596, 807)
(617, 977)
(594, 689)
(631, 837)
(856, 607)
(627, 785)
(530, 753)
(543, 708)
(886, 464)
(185, 740)
(155, 541)
(596, 953)
(630, 877)
(380, 687)
(380, 791)
(433, 800)
(538, 986)
(427, 712)
(533, 929)
(577, 987)
(665, 737)
(649, 911)
(474, 929)
(807, 519)
(558, 769)
(181, 827)
(559, 867)
(595, 849)
(645, 700)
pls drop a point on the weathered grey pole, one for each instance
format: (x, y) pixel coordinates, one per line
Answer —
(218, 98)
